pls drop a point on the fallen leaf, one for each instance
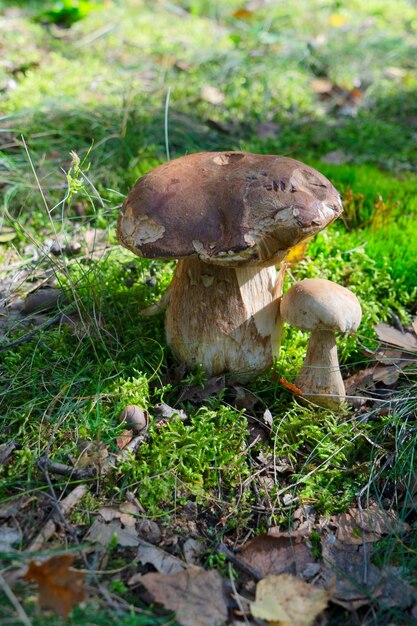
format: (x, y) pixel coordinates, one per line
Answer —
(375, 519)
(163, 412)
(124, 439)
(103, 533)
(7, 233)
(321, 86)
(43, 300)
(61, 587)
(359, 381)
(244, 399)
(288, 601)
(414, 324)
(192, 550)
(8, 537)
(162, 561)
(242, 14)
(127, 513)
(197, 393)
(392, 336)
(149, 530)
(212, 95)
(6, 450)
(387, 374)
(357, 582)
(272, 555)
(290, 386)
(298, 252)
(196, 596)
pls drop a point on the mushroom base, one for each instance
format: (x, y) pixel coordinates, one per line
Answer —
(226, 319)
(320, 379)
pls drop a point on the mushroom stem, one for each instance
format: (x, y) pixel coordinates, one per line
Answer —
(225, 318)
(320, 373)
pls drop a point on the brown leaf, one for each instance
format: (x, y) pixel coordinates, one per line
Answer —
(298, 252)
(196, 596)
(270, 555)
(288, 601)
(387, 374)
(290, 386)
(357, 582)
(392, 336)
(212, 387)
(162, 561)
(212, 95)
(242, 14)
(43, 300)
(103, 533)
(124, 439)
(61, 587)
(321, 86)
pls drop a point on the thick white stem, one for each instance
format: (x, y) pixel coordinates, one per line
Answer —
(225, 318)
(320, 379)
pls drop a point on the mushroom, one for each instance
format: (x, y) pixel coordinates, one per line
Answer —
(229, 217)
(324, 308)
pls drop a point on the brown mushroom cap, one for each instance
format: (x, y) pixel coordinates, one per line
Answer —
(316, 303)
(226, 207)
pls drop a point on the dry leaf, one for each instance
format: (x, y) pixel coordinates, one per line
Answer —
(162, 561)
(196, 596)
(290, 386)
(43, 300)
(103, 533)
(298, 252)
(270, 555)
(321, 86)
(389, 334)
(61, 587)
(288, 601)
(212, 95)
(242, 14)
(7, 233)
(387, 374)
(124, 439)
(414, 324)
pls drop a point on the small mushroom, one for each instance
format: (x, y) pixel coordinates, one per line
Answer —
(324, 308)
(229, 217)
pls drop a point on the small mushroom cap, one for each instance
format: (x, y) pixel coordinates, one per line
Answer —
(316, 303)
(229, 208)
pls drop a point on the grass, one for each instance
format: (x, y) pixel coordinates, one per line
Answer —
(97, 84)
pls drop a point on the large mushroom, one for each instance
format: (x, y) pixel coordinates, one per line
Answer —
(324, 308)
(229, 217)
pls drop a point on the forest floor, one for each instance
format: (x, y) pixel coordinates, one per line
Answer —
(229, 483)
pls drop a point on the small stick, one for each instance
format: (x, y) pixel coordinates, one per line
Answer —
(65, 507)
(240, 565)
(15, 602)
(67, 470)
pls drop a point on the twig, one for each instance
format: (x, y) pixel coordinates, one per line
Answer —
(240, 565)
(67, 470)
(64, 508)
(237, 596)
(29, 336)
(15, 602)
